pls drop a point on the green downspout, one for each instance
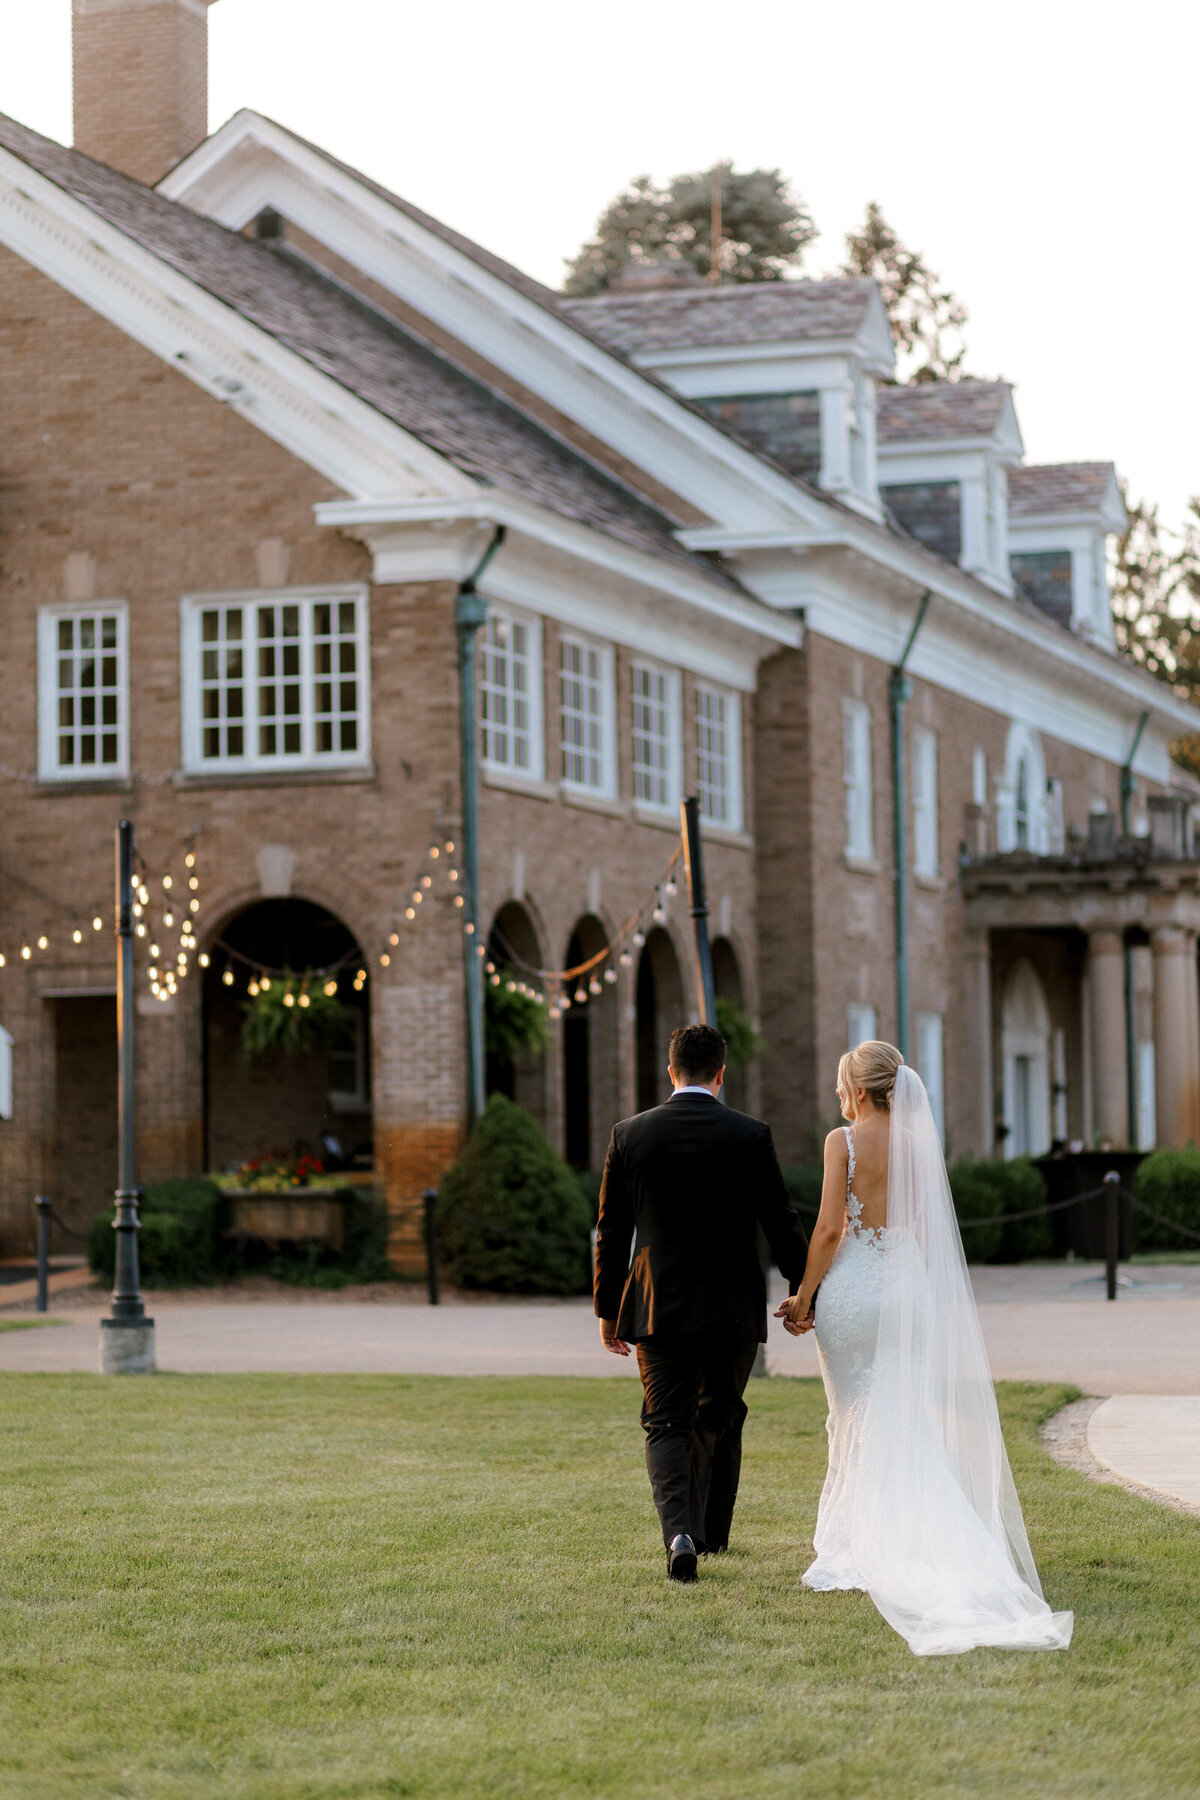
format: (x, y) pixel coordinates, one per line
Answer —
(470, 612)
(1126, 791)
(899, 690)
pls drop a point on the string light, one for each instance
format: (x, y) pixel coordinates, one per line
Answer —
(227, 977)
(77, 936)
(385, 959)
(189, 861)
(331, 988)
(289, 999)
(97, 923)
(204, 959)
(26, 952)
(252, 990)
(610, 975)
(394, 939)
(265, 984)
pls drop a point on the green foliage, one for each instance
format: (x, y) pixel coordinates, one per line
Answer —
(764, 228)
(512, 1215)
(742, 1041)
(180, 1242)
(987, 1189)
(589, 1186)
(277, 1018)
(1155, 580)
(1169, 1181)
(804, 1182)
(513, 1023)
(927, 320)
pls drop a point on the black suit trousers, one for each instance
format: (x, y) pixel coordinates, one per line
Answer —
(692, 1414)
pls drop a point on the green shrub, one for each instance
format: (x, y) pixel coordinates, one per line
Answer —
(988, 1190)
(1169, 1181)
(181, 1241)
(804, 1187)
(512, 1216)
(589, 1186)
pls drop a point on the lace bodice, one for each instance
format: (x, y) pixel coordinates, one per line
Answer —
(872, 1235)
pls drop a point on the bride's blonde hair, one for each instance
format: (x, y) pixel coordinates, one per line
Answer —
(873, 1066)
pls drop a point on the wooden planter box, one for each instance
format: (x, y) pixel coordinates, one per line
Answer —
(304, 1216)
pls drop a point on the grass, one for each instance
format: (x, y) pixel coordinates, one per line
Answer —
(28, 1324)
(351, 1588)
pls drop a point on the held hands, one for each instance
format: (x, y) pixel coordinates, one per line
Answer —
(610, 1340)
(797, 1315)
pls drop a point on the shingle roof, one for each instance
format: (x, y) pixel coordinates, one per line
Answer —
(420, 389)
(742, 313)
(940, 409)
(1059, 488)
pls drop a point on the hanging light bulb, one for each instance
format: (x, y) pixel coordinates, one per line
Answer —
(410, 912)
(289, 999)
(610, 975)
(539, 999)
(252, 990)
(194, 883)
(495, 980)
(43, 943)
(458, 899)
(362, 975)
(449, 849)
(490, 967)
(594, 986)
(143, 894)
(3, 960)
(418, 896)
(481, 949)
(97, 923)
(189, 861)
(427, 881)
(580, 996)
(385, 959)
(553, 1013)
(154, 951)
(264, 982)
(204, 959)
(511, 986)
(77, 937)
(140, 928)
(658, 915)
(331, 988)
(167, 882)
(26, 952)
(227, 977)
(434, 852)
(625, 959)
(395, 938)
(454, 874)
(671, 889)
(168, 919)
(137, 909)
(469, 927)
(193, 906)
(639, 938)
(304, 1000)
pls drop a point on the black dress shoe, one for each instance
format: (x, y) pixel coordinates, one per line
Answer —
(681, 1559)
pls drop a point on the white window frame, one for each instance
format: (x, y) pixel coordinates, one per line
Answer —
(192, 606)
(856, 779)
(979, 776)
(707, 691)
(49, 768)
(1023, 757)
(862, 1023)
(926, 853)
(668, 780)
(533, 769)
(931, 1065)
(6, 1074)
(605, 754)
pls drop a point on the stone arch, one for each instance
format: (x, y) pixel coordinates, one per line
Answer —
(514, 943)
(659, 1007)
(312, 1101)
(1025, 1043)
(590, 1051)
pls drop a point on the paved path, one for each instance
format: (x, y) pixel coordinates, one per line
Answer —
(1153, 1439)
(1041, 1323)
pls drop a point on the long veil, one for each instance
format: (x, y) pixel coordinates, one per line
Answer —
(937, 1533)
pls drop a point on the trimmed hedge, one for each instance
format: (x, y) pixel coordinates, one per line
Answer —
(512, 1216)
(989, 1189)
(1169, 1181)
(804, 1187)
(180, 1242)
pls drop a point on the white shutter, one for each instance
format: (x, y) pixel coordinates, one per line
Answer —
(856, 774)
(925, 802)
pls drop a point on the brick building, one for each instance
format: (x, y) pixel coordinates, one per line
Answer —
(261, 420)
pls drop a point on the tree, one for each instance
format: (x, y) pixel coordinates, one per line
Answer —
(764, 228)
(1156, 605)
(927, 320)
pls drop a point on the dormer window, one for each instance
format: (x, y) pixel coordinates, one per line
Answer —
(1060, 518)
(786, 426)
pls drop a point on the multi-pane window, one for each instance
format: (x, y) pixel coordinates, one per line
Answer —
(860, 1023)
(930, 1065)
(585, 710)
(276, 682)
(925, 801)
(655, 736)
(83, 692)
(510, 683)
(856, 777)
(718, 756)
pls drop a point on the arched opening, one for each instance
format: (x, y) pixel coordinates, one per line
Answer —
(1026, 1050)
(1021, 822)
(727, 980)
(591, 1092)
(316, 1099)
(659, 1010)
(521, 1075)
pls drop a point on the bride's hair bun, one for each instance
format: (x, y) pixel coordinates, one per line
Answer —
(871, 1065)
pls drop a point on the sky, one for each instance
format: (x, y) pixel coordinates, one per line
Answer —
(1041, 154)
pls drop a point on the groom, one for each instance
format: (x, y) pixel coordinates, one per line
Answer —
(690, 1183)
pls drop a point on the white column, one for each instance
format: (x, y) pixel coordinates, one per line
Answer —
(1106, 981)
(1176, 1035)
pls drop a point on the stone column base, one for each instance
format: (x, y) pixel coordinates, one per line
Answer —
(127, 1346)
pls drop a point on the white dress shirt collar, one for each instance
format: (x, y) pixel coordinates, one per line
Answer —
(692, 1088)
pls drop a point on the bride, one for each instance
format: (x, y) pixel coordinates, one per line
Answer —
(918, 1507)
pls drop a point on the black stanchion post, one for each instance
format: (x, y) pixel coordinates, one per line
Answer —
(43, 1249)
(1112, 1230)
(431, 1244)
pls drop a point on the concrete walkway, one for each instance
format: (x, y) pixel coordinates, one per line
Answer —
(1153, 1439)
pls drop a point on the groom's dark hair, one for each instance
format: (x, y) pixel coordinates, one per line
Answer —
(697, 1052)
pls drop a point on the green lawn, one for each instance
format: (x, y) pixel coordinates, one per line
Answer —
(313, 1588)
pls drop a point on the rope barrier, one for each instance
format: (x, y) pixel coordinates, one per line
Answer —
(1162, 1219)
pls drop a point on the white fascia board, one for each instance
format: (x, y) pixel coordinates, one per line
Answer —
(953, 459)
(1054, 531)
(309, 414)
(578, 577)
(250, 163)
(774, 374)
(386, 527)
(1094, 519)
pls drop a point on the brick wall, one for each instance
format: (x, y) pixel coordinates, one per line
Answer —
(141, 82)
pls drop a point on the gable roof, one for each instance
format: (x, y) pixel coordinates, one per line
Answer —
(481, 433)
(761, 312)
(1061, 488)
(930, 410)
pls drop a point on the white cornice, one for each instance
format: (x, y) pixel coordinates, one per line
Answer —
(245, 368)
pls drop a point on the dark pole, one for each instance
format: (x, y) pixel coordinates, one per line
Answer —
(127, 1335)
(470, 612)
(693, 862)
(1112, 1229)
(43, 1248)
(431, 1245)
(899, 690)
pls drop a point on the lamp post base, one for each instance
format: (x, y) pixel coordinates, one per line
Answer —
(127, 1346)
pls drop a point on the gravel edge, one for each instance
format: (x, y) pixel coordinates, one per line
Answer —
(1064, 1437)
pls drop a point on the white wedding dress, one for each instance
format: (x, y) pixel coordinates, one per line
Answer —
(918, 1506)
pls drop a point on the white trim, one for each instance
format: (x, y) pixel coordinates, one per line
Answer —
(862, 1023)
(926, 823)
(49, 768)
(605, 753)
(731, 724)
(535, 732)
(931, 1065)
(6, 1074)
(1024, 779)
(191, 607)
(858, 780)
(673, 702)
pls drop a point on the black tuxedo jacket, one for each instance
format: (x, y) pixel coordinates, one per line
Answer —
(692, 1183)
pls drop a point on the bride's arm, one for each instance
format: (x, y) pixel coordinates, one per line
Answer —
(827, 1232)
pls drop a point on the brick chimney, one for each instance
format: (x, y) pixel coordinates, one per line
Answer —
(141, 81)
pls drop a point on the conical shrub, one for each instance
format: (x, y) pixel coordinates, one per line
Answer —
(512, 1217)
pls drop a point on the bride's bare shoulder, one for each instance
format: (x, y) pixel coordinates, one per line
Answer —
(835, 1145)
